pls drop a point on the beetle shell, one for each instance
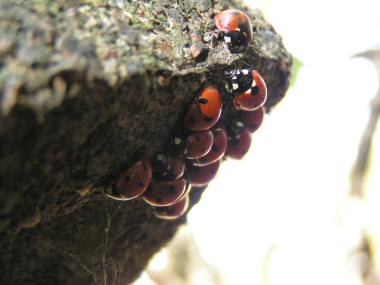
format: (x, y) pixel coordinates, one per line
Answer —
(239, 146)
(205, 111)
(174, 211)
(198, 144)
(176, 168)
(201, 176)
(252, 120)
(135, 180)
(164, 193)
(219, 147)
(237, 29)
(253, 98)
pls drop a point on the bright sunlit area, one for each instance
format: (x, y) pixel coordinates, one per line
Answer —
(289, 212)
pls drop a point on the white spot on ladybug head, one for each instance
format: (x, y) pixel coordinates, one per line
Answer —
(227, 39)
(245, 71)
(235, 86)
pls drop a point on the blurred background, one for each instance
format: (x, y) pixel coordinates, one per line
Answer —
(303, 206)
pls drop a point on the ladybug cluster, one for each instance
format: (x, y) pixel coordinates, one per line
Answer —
(195, 152)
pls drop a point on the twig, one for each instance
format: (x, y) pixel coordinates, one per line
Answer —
(361, 164)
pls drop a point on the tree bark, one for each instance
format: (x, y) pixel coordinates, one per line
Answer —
(86, 89)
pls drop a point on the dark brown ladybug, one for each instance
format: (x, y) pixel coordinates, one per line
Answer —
(198, 144)
(218, 147)
(164, 193)
(252, 120)
(174, 211)
(132, 182)
(238, 146)
(201, 176)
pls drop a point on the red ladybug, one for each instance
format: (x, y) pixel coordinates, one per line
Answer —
(164, 193)
(201, 176)
(252, 120)
(255, 97)
(174, 211)
(132, 182)
(198, 144)
(205, 111)
(187, 190)
(237, 29)
(238, 146)
(218, 148)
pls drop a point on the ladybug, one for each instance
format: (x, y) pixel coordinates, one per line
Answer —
(187, 190)
(218, 148)
(252, 120)
(239, 81)
(201, 176)
(205, 111)
(164, 193)
(174, 211)
(132, 182)
(236, 29)
(198, 144)
(239, 145)
(168, 167)
(255, 97)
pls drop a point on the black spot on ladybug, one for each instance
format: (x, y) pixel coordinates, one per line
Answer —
(141, 184)
(127, 178)
(171, 189)
(207, 119)
(203, 101)
(255, 90)
(214, 147)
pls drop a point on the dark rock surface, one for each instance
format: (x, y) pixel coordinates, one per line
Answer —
(86, 88)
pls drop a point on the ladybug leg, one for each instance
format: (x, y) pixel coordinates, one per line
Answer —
(113, 194)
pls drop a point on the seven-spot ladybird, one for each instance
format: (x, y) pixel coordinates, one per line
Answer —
(237, 29)
(202, 175)
(164, 193)
(255, 97)
(135, 180)
(218, 148)
(205, 111)
(198, 144)
(174, 211)
(238, 146)
(252, 120)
